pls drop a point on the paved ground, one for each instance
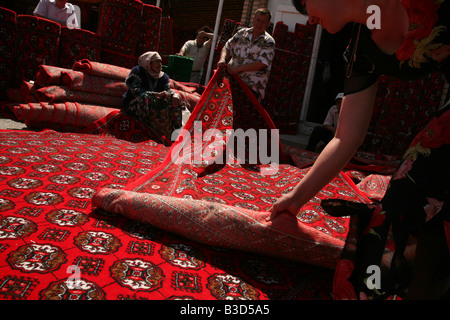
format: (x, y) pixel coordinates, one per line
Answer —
(11, 124)
(296, 140)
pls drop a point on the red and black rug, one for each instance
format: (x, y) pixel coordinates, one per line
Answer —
(106, 214)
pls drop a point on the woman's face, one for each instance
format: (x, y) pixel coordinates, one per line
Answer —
(328, 13)
(156, 65)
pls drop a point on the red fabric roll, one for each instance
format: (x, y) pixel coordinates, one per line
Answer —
(101, 69)
(80, 81)
(61, 116)
(49, 75)
(62, 94)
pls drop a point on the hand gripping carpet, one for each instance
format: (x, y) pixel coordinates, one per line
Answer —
(225, 204)
(106, 214)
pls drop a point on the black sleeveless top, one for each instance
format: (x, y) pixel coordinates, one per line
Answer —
(429, 34)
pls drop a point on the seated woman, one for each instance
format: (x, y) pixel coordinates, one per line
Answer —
(149, 98)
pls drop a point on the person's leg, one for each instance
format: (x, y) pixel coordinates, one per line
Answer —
(429, 279)
(318, 134)
(416, 204)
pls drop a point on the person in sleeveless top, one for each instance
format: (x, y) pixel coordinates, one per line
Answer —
(411, 41)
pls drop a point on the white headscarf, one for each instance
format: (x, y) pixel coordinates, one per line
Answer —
(145, 61)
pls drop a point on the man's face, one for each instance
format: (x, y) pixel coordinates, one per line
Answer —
(201, 39)
(260, 22)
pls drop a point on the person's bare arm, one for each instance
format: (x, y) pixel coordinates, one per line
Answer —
(223, 58)
(353, 123)
(183, 49)
(206, 34)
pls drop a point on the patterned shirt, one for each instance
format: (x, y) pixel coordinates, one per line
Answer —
(244, 51)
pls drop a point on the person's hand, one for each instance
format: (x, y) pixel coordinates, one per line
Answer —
(176, 101)
(287, 203)
(221, 63)
(232, 70)
(162, 95)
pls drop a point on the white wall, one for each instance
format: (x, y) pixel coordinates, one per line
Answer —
(283, 10)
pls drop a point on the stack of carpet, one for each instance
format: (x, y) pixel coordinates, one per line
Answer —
(71, 99)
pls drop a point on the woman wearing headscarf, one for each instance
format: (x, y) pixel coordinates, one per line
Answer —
(149, 98)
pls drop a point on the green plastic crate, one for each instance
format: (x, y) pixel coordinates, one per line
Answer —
(180, 68)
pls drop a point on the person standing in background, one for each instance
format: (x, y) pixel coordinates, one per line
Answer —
(198, 50)
(325, 132)
(251, 51)
(412, 41)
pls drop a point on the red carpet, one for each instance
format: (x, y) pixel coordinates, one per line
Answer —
(47, 227)
(238, 196)
(109, 208)
(72, 99)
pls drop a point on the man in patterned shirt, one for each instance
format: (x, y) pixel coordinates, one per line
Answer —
(251, 51)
